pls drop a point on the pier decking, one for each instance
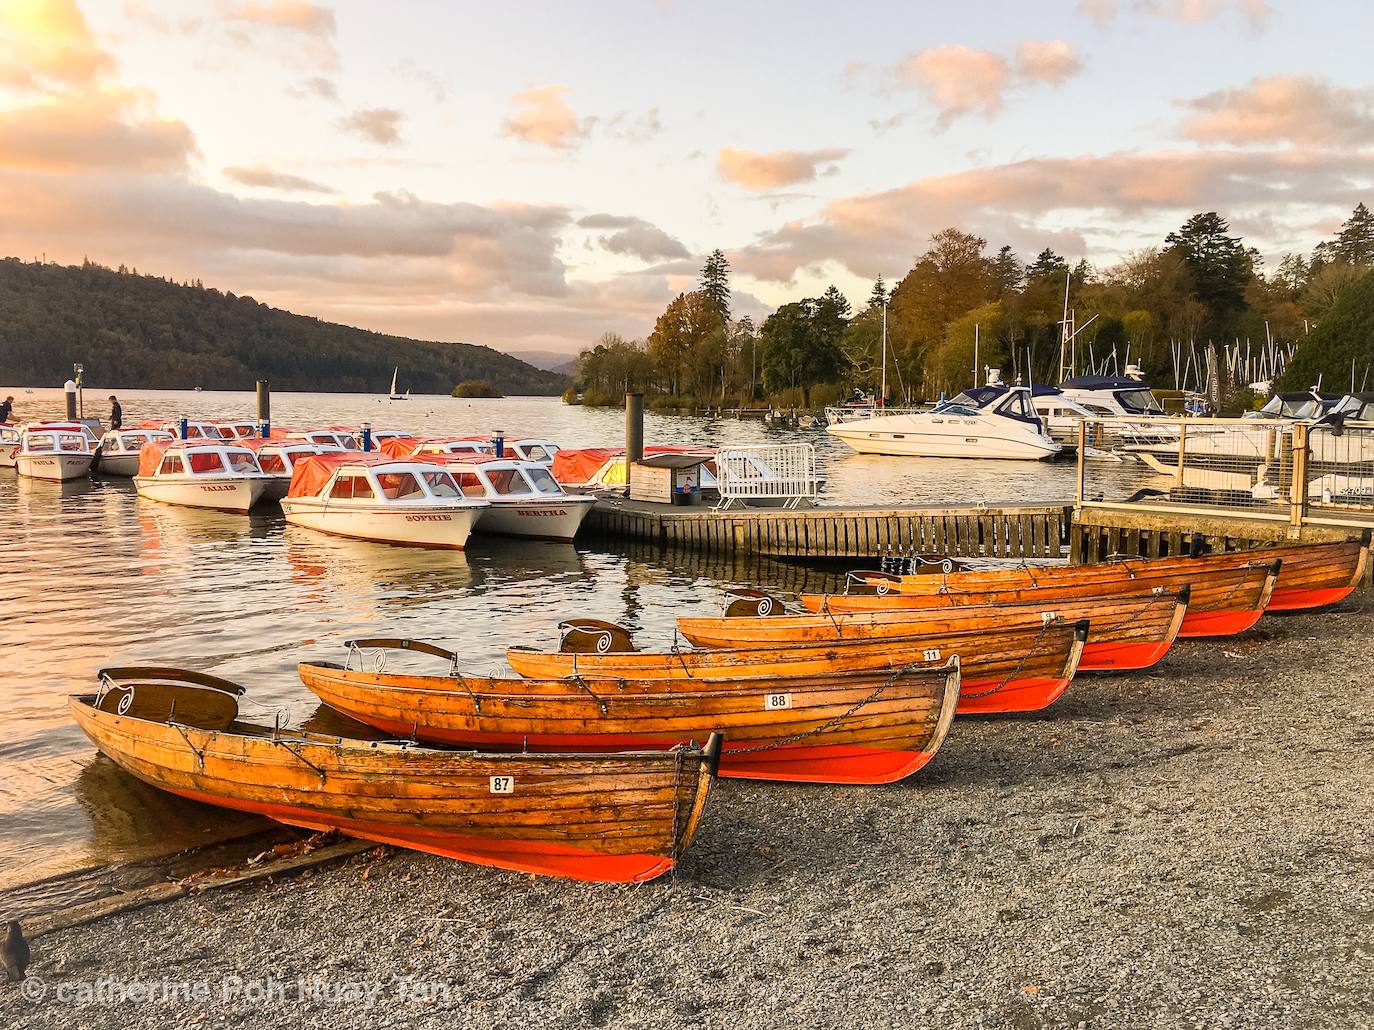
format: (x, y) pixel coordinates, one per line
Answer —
(1003, 531)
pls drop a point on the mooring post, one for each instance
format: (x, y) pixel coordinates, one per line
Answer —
(183, 428)
(367, 436)
(69, 390)
(634, 433)
(264, 409)
(498, 441)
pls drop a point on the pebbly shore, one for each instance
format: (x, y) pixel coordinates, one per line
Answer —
(1185, 848)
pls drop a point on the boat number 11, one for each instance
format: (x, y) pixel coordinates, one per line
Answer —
(774, 702)
(502, 784)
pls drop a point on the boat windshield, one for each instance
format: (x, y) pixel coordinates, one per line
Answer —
(542, 482)
(273, 464)
(1139, 402)
(201, 462)
(1308, 407)
(243, 461)
(537, 453)
(506, 481)
(441, 484)
(953, 407)
(399, 486)
(57, 442)
(471, 484)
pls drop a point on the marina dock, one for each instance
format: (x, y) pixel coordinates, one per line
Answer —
(1000, 531)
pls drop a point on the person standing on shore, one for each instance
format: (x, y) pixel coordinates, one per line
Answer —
(6, 406)
(116, 413)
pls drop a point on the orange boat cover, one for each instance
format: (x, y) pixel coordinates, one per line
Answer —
(577, 466)
(311, 474)
(399, 446)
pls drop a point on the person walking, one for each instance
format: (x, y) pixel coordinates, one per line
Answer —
(116, 413)
(6, 406)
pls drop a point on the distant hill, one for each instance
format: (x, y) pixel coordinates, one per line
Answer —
(134, 330)
(549, 360)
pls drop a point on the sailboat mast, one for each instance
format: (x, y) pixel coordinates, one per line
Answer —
(883, 396)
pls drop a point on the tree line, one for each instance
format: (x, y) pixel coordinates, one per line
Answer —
(1200, 286)
(132, 330)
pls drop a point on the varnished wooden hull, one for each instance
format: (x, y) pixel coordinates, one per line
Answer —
(1128, 631)
(589, 817)
(1007, 671)
(1227, 593)
(867, 727)
(1316, 575)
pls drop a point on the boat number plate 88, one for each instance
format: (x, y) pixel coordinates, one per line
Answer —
(502, 784)
(774, 702)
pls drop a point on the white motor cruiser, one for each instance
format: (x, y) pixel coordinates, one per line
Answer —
(525, 499)
(985, 422)
(379, 498)
(214, 474)
(56, 451)
(120, 448)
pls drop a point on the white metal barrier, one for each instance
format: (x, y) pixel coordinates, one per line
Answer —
(782, 476)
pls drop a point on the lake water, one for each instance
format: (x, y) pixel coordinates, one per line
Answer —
(91, 575)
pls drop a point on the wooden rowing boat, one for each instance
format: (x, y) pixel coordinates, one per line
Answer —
(604, 817)
(1129, 631)
(856, 727)
(1227, 592)
(1316, 575)
(1008, 670)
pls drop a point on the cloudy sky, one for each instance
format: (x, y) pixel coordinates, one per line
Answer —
(530, 174)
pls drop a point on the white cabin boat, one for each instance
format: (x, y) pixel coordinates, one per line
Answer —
(975, 424)
(383, 499)
(525, 500)
(541, 451)
(10, 437)
(1127, 396)
(214, 474)
(342, 439)
(278, 460)
(120, 448)
(55, 451)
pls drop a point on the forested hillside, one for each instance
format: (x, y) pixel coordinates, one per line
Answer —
(133, 330)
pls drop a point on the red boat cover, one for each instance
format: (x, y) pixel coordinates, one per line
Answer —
(399, 446)
(312, 473)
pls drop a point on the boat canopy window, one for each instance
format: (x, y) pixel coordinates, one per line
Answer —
(441, 484)
(352, 485)
(542, 482)
(243, 461)
(171, 466)
(399, 486)
(471, 484)
(1017, 405)
(44, 442)
(273, 464)
(1305, 407)
(505, 481)
(202, 462)
(954, 407)
(536, 453)
(110, 443)
(1139, 402)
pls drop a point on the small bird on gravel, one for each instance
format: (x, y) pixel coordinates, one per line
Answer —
(15, 952)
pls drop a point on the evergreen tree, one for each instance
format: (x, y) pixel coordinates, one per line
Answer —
(715, 282)
(1046, 264)
(1007, 271)
(1220, 269)
(1355, 242)
(878, 297)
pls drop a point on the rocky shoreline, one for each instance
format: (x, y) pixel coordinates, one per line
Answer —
(1184, 848)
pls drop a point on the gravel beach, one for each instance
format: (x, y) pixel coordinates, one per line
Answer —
(1186, 848)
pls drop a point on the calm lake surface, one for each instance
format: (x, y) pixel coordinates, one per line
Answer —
(91, 575)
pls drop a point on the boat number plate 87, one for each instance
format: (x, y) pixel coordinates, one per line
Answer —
(775, 702)
(502, 784)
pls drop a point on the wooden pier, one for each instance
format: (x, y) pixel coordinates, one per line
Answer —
(1001, 531)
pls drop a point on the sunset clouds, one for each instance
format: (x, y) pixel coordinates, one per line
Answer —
(960, 80)
(540, 175)
(756, 171)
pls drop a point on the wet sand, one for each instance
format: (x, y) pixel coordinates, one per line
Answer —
(1184, 848)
